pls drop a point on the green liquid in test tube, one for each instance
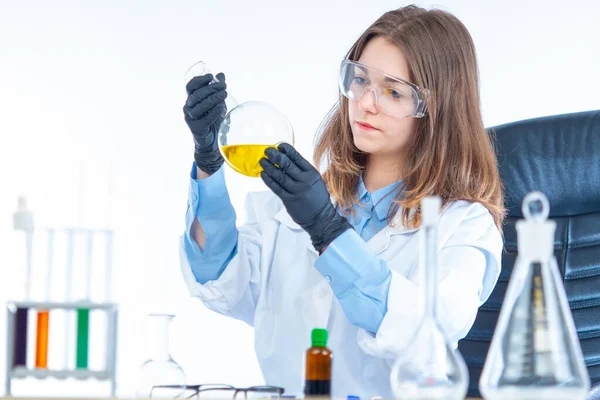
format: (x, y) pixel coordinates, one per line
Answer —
(83, 330)
(83, 314)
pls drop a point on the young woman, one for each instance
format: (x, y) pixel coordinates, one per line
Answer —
(340, 250)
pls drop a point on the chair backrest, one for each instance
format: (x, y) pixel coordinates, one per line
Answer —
(559, 156)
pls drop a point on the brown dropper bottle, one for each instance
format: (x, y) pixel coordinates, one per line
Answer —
(318, 365)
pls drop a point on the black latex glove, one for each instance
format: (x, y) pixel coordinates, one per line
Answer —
(204, 111)
(304, 194)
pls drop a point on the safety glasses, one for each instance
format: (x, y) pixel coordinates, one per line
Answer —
(393, 96)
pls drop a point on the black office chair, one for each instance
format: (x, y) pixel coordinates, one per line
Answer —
(559, 156)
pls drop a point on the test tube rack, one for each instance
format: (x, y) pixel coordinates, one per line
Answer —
(14, 371)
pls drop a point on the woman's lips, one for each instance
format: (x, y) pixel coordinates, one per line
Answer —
(366, 127)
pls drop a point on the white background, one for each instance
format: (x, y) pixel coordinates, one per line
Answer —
(91, 127)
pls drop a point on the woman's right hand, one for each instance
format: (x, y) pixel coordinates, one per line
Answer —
(204, 110)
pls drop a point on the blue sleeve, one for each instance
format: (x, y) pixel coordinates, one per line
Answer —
(208, 201)
(359, 279)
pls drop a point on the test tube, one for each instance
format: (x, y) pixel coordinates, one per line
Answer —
(83, 325)
(83, 314)
(41, 344)
(20, 335)
(43, 316)
(68, 296)
(23, 220)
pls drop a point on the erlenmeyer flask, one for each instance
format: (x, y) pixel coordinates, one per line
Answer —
(247, 130)
(535, 352)
(160, 377)
(429, 368)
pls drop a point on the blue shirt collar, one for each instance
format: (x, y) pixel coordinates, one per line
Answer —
(381, 198)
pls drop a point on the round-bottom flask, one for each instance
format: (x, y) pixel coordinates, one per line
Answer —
(160, 377)
(247, 129)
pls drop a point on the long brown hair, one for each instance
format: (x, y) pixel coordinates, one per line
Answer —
(452, 155)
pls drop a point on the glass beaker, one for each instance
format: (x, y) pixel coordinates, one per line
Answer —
(160, 376)
(247, 130)
(535, 352)
(429, 368)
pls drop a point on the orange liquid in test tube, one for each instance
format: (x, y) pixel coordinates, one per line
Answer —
(41, 348)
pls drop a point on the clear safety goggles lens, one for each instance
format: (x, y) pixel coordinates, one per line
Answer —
(392, 95)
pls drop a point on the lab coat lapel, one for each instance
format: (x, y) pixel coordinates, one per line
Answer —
(381, 241)
(284, 218)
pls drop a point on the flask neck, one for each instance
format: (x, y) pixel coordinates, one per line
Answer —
(159, 337)
(429, 268)
(536, 240)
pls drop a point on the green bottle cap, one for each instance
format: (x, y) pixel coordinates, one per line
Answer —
(319, 337)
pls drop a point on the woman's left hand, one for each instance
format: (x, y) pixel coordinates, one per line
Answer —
(303, 192)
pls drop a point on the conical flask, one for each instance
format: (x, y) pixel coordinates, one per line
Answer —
(160, 377)
(429, 367)
(535, 352)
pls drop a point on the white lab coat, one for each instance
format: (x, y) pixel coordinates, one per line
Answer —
(272, 285)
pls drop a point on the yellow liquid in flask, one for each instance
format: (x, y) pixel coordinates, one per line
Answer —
(244, 158)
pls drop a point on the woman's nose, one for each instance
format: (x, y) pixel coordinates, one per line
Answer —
(368, 101)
